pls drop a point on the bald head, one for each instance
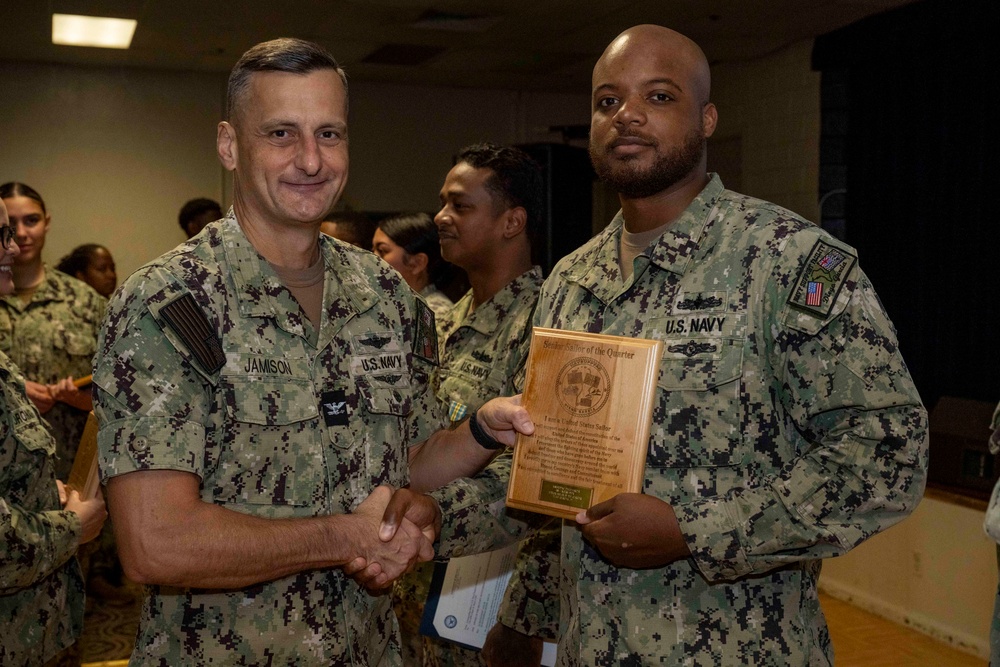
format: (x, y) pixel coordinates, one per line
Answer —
(651, 115)
(684, 58)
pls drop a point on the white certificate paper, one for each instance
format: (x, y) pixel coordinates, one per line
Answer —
(466, 595)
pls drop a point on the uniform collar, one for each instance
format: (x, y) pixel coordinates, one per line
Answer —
(262, 294)
(487, 317)
(597, 270)
(52, 288)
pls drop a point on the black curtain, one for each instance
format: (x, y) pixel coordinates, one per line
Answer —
(922, 176)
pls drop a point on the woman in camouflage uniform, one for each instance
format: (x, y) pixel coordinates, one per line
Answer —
(41, 588)
(409, 243)
(49, 326)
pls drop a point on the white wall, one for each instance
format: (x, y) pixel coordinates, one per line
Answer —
(936, 572)
(116, 152)
(773, 106)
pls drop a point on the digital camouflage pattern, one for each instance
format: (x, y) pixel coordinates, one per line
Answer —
(992, 521)
(780, 437)
(483, 349)
(285, 429)
(482, 353)
(992, 527)
(51, 338)
(41, 587)
(530, 604)
(436, 299)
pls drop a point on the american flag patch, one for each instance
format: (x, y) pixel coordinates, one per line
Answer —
(814, 294)
(821, 278)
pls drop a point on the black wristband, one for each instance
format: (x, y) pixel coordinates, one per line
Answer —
(485, 440)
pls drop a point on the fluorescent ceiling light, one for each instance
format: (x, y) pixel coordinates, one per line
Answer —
(76, 30)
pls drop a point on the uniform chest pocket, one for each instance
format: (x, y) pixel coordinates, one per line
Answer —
(75, 344)
(35, 451)
(271, 401)
(382, 399)
(34, 437)
(697, 414)
(472, 391)
(374, 412)
(271, 451)
(370, 440)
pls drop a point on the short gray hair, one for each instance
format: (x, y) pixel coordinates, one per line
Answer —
(286, 54)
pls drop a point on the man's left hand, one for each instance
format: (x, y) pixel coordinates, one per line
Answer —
(634, 530)
(504, 418)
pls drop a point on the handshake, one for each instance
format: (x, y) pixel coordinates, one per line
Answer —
(395, 530)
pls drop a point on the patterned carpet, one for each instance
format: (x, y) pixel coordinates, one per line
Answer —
(109, 626)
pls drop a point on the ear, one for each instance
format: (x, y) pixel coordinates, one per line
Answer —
(515, 221)
(416, 262)
(710, 117)
(225, 144)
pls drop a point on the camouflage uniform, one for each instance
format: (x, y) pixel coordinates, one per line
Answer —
(51, 338)
(255, 433)
(41, 587)
(786, 429)
(483, 350)
(992, 527)
(481, 353)
(436, 299)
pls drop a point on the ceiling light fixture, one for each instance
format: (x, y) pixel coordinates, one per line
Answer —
(108, 33)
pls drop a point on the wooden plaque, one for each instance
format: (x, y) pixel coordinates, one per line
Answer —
(84, 477)
(591, 399)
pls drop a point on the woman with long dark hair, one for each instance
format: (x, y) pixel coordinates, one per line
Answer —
(409, 243)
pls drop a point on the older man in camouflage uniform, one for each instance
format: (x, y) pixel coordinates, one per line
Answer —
(255, 387)
(786, 428)
(41, 586)
(491, 206)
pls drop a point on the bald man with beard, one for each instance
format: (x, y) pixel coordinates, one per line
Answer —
(786, 427)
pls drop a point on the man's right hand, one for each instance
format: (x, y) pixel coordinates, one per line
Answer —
(92, 513)
(405, 509)
(387, 558)
(410, 506)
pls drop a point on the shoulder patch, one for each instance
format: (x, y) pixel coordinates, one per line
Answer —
(425, 343)
(191, 325)
(821, 278)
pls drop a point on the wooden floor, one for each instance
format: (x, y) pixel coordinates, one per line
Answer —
(860, 639)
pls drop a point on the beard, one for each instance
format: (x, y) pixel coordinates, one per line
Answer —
(633, 182)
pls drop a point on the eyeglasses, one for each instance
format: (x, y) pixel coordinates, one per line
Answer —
(7, 233)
